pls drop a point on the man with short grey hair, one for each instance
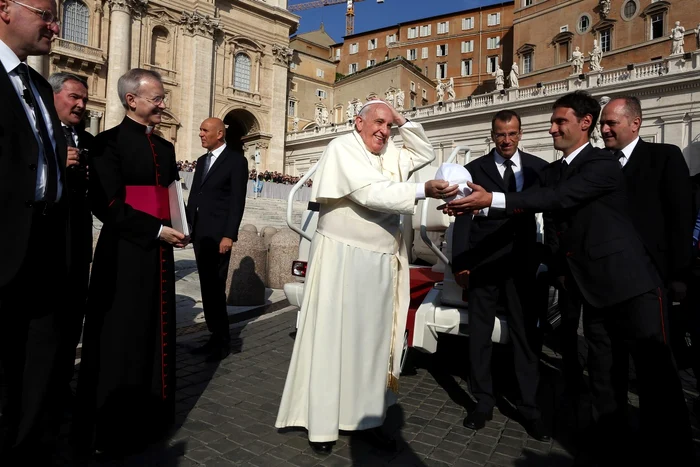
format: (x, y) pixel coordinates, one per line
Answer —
(126, 387)
(70, 96)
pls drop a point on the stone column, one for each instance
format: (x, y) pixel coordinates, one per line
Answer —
(119, 54)
(40, 63)
(198, 47)
(94, 117)
(274, 159)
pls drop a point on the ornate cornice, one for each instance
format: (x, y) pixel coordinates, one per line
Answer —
(283, 55)
(136, 7)
(196, 23)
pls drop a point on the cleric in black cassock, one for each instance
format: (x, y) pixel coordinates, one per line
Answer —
(126, 384)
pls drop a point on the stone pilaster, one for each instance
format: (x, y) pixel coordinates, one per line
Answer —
(278, 113)
(198, 44)
(40, 63)
(94, 118)
(119, 53)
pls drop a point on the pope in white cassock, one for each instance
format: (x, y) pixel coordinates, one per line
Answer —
(346, 360)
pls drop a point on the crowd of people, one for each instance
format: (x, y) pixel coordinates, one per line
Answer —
(620, 247)
(277, 177)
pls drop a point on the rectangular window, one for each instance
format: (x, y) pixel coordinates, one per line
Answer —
(319, 73)
(494, 19)
(491, 64)
(354, 48)
(606, 40)
(413, 101)
(467, 23)
(467, 67)
(527, 63)
(564, 28)
(493, 42)
(321, 93)
(371, 62)
(443, 28)
(337, 54)
(467, 46)
(352, 68)
(424, 94)
(412, 33)
(657, 26)
(412, 54)
(371, 44)
(441, 50)
(527, 2)
(292, 109)
(424, 53)
(425, 30)
(390, 39)
(413, 86)
(441, 71)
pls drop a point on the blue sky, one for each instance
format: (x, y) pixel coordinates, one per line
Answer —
(371, 15)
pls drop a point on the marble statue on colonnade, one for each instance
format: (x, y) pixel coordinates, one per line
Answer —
(577, 61)
(677, 39)
(596, 57)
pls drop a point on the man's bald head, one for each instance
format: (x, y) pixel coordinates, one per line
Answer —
(212, 132)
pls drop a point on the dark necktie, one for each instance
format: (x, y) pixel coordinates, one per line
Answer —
(620, 156)
(68, 132)
(207, 164)
(49, 153)
(509, 176)
(562, 168)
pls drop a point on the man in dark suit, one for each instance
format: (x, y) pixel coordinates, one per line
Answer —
(70, 95)
(498, 256)
(660, 198)
(34, 212)
(215, 209)
(621, 290)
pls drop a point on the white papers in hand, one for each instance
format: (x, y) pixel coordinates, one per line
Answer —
(178, 217)
(455, 174)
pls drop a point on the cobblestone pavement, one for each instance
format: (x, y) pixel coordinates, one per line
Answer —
(226, 412)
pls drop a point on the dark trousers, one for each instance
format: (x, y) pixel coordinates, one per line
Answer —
(31, 307)
(639, 325)
(212, 267)
(484, 299)
(570, 308)
(78, 277)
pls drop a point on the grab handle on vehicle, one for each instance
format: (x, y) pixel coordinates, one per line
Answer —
(290, 202)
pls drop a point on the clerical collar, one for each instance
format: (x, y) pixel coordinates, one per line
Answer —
(147, 129)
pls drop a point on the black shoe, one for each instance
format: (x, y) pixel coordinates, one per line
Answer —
(380, 440)
(204, 349)
(219, 352)
(321, 448)
(477, 420)
(535, 428)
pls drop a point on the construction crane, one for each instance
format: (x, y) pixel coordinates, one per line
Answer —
(349, 13)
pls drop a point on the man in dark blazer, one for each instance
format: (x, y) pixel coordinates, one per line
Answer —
(660, 198)
(499, 258)
(621, 290)
(35, 216)
(70, 95)
(215, 209)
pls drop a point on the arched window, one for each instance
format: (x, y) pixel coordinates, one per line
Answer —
(241, 72)
(160, 47)
(76, 18)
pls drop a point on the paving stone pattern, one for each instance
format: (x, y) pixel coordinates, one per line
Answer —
(226, 413)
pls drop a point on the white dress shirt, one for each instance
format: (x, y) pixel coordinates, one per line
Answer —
(10, 62)
(214, 155)
(627, 151)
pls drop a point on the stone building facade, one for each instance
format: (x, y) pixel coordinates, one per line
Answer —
(546, 33)
(466, 45)
(227, 59)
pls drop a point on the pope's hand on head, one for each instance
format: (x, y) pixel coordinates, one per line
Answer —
(440, 189)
